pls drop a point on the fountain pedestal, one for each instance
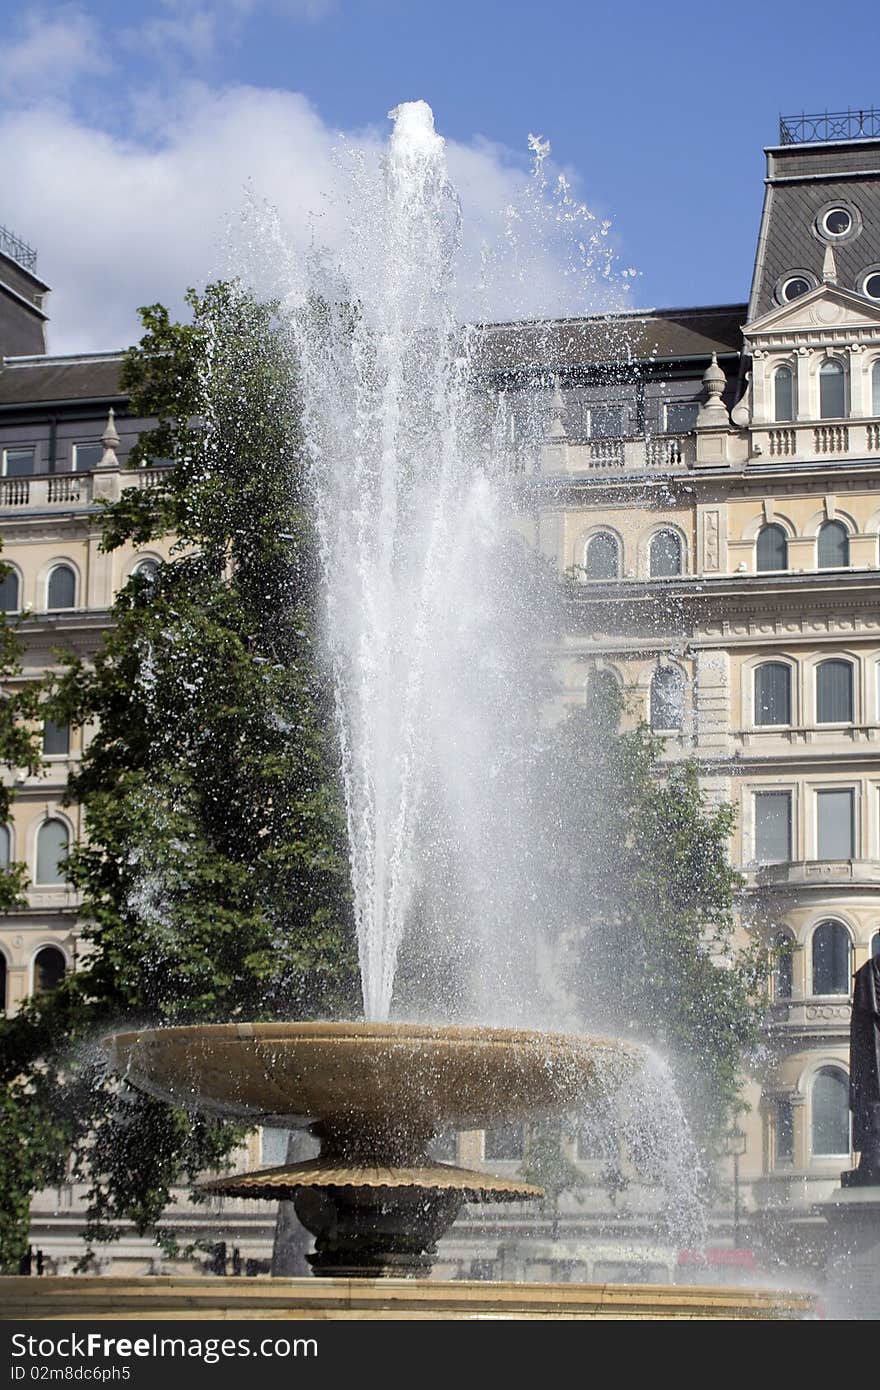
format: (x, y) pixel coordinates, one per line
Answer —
(374, 1095)
(852, 1274)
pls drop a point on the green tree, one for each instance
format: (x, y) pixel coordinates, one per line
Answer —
(214, 878)
(648, 902)
(28, 1147)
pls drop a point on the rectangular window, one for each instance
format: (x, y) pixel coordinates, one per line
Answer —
(273, 1147)
(772, 827)
(680, 417)
(87, 456)
(18, 463)
(835, 824)
(607, 422)
(505, 1143)
(56, 738)
(784, 1131)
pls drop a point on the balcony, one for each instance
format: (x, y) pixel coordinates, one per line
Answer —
(815, 441)
(656, 453)
(811, 873)
(822, 1014)
(70, 492)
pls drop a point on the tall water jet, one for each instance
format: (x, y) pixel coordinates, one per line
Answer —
(410, 528)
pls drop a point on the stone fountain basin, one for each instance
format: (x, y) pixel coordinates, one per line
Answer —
(344, 1074)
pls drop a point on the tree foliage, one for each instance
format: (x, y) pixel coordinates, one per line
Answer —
(214, 876)
(648, 901)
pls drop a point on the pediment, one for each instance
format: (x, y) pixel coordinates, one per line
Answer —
(827, 306)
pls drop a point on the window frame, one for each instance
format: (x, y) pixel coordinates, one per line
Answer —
(63, 881)
(55, 567)
(56, 949)
(14, 573)
(20, 449)
(661, 533)
(843, 929)
(832, 790)
(57, 753)
(764, 530)
(84, 444)
(823, 665)
(778, 792)
(673, 672)
(603, 533)
(840, 1070)
(835, 525)
(833, 367)
(784, 371)
(757, 722)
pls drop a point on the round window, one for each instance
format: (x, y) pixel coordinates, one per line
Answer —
(836, 222)
(794, 287)
(871, 287)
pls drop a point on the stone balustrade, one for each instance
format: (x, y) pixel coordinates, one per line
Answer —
(71, 491)
(808, 441)
(657, 453)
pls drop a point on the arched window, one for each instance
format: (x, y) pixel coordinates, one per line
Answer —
(834, 692)
(772, 693)
(665, 555)
(832, 391)
(875, 388)
(833, 546)
(53, 842)
(9, 592)
(49, 970)
(875, 944)
(832, 950)
(603, 697)
(61, 590)
(603, 556)
(667, 698)
(783, 394)
(147, 569)
(4, 848)
(782, 966)
(830, 1120)
(772, 551)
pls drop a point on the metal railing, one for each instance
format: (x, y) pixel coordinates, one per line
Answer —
(830, 125)
(17, 250)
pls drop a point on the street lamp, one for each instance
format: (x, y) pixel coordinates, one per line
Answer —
(735, 1146)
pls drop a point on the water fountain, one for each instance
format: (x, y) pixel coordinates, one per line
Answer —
(408, 481)
(374, 1094)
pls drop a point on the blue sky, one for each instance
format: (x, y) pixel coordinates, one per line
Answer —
(125, 131)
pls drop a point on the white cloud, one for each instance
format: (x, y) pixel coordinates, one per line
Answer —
(47, 53)
(120, 222)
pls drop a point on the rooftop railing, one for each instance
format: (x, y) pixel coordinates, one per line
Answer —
(18, 250)
(830, 125)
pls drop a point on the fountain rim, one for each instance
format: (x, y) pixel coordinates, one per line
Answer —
(391, 1032)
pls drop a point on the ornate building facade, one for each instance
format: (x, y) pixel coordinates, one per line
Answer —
(710, 476)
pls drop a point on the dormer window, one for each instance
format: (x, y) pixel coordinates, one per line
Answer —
(793, 288)
(871, 285)
(783, 394)
(832, 391)
(836, 222)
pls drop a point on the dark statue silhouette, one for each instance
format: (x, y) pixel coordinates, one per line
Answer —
(864, 1075)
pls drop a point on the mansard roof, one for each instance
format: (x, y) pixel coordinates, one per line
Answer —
(57, 380)
(646, 337)
(802, 180)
